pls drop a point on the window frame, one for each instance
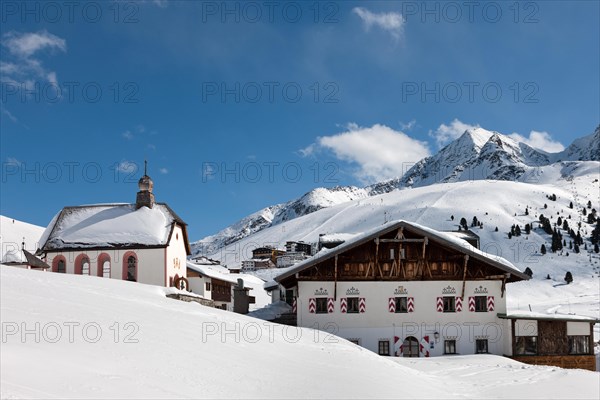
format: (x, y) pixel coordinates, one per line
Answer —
(450, 346)
(350, 300)
(207, 286)
(385, 351)
(487, 349)
(480, 301)
(449, 300)
(321, 305)
(398, 304)
(585, 343)
(525, 344)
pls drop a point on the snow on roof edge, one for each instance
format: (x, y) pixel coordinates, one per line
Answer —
(500, 262)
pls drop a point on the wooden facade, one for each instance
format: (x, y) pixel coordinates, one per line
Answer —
(401, 255)
(221, 290)
(553, 346)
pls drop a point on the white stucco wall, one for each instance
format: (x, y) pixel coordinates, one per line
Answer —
(150, 269)
(198, 286)
(377, 323)
(176, 256)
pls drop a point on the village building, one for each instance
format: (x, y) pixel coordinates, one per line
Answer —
(407, 290)
(24, 259)
(214, 282)
(299, 247)
(144, 242)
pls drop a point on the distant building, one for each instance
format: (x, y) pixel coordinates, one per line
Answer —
(24, 260)
(256, 264)
(142, 242)
(267, 252)
(299, 247)
(291, 258)
(213, 282)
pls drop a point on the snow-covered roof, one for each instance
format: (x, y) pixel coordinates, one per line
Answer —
(548, 316)
(111, 225)
(444, 238)
(216, 272)
(337, 237)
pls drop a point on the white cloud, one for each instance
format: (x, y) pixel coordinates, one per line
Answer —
(447, 133)
(26, 44)
(127, 167)
(127, 135)
(379, 152)
(24, 68)
(539, 140)
(9, 115)
(409, 125)
(151, 146)
(391, 22)
(161, 3)
(163, 171)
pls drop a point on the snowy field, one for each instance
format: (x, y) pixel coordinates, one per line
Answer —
(71, 336)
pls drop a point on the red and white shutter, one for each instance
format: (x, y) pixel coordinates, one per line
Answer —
(294, 306)
(458, 304)
(411, 304)
(424, 346)
(330, 305)
(490, 303)
(343, 305)
(440, 304)
(397, 342)
(392, 304)
(362, 305)
(312, 306)
(472, 304)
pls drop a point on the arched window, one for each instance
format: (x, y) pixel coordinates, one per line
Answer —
(104, 265)
(85, 266)
(59, 264)
(82, 265)
(130, 266)
(61, 267)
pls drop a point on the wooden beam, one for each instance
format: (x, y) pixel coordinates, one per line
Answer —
(335, 275)
(422, 261)
(462, 295)
(400, 234)
(377, 257)
(400, 240)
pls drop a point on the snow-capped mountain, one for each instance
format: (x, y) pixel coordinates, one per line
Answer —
(478, 154)
(585, 148)
(312, 201)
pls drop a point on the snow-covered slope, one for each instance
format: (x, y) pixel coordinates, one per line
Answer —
(585, 148)
(312, 201)
(478, 154)
(105, 338)
(13, 233)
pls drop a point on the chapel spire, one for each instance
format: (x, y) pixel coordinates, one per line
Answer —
(145, 197)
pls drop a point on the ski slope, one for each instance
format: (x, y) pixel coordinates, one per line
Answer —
(129, 341)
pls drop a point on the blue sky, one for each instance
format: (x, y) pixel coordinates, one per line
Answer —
(241, 105)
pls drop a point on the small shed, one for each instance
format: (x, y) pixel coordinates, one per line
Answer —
(561, 340)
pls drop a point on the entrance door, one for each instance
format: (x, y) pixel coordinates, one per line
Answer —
(289, 296)
(410, 347)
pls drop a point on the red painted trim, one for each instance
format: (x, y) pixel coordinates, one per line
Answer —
(78, 270)
(102, 258)
(55, 261)
(124, 269)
